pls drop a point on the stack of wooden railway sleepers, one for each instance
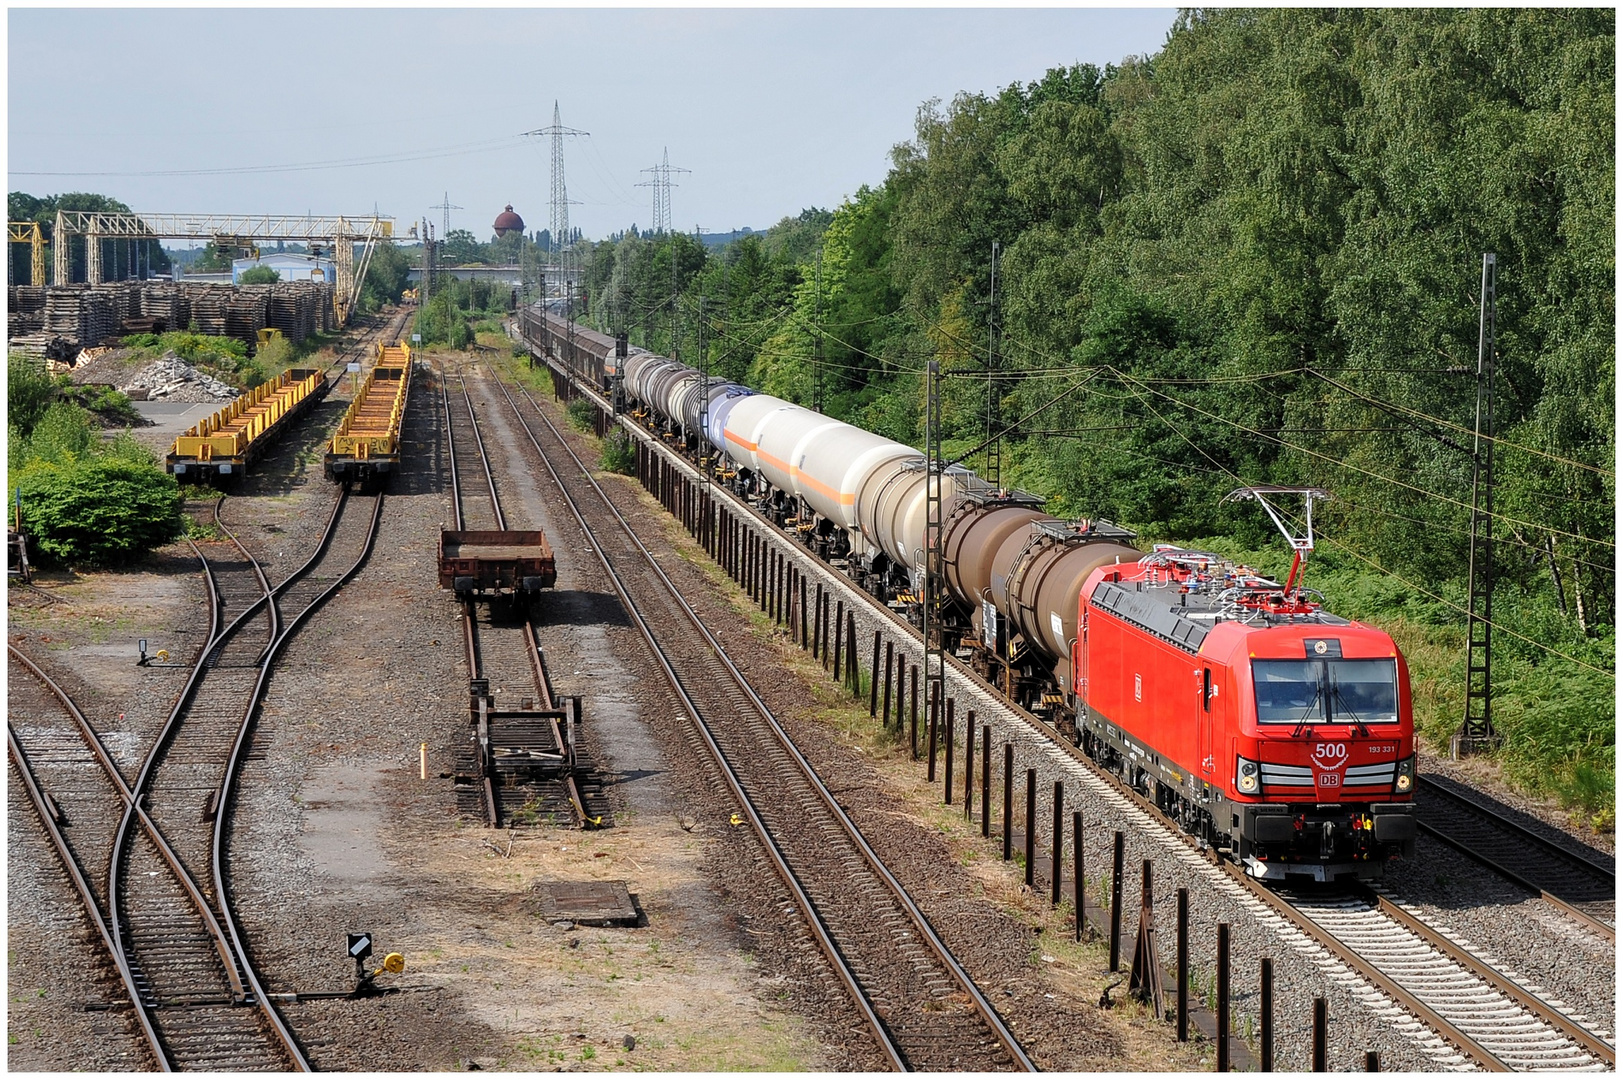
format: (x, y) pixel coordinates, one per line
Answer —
(228, 442)
(293, 309)
(247, 310)
(366, 447)
(80, 313)
(126, 297)
(25, 309)
(326, 317)
(166, 307)
(208, 306)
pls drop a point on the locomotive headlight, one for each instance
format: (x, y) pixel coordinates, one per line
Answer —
(1246, 778)
(1405, 780)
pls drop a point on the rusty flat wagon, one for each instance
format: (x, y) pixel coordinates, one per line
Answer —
(228, 442)
(366, 447)
(495, 562)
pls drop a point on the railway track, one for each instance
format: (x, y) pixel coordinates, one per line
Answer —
(166, 915)
(503, 652)
(1497, 1023)
(920, 1005)
(78, 796)
(148, 860)
(1578, 886)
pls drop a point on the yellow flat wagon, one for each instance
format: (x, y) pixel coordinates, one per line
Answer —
(366, 448)
(228, 442)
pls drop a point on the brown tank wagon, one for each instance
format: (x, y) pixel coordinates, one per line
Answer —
(495, 562)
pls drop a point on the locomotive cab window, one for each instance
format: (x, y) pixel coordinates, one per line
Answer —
(1326, 691)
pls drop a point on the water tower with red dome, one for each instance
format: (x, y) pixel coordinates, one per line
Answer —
(508, 222)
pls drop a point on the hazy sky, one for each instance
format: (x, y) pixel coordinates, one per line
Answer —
(773, 110)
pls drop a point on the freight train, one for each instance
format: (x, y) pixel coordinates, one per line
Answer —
(366, 447)
(1271, 729)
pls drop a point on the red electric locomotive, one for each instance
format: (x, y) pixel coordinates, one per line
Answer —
(1264, 724)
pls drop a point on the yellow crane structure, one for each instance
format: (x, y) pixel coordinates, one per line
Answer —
(28, 232)
(342, 233)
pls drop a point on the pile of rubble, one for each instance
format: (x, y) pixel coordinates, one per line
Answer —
(169, 378)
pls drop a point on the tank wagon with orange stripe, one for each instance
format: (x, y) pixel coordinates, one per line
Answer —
(366, 448)
(1278, 732)
(226, 444)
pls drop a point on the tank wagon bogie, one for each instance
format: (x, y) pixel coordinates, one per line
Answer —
(224, 445)
(366, 447)
(1043, 609)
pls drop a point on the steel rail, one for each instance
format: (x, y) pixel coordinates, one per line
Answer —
(479, 441)
(1056, 738)
(1366, 971)
(70, 861)
(803, 901)
(469, 636)
(133, 810)
(1577, 914)
(1507, 986)
(982, 1005)
(1523, 833)
(239, 749)
(236, 965)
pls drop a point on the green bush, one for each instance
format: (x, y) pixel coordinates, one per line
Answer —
(259, 275)
(29, 392)
(276, 356)
(63, 435)
(103, 510)
(111, 405)
(582, 413)
(440, 322)
(618, 453)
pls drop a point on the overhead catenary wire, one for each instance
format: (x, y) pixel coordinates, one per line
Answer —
(457, 150)
(1495, 439)
(1355, 468)
(1349, 549)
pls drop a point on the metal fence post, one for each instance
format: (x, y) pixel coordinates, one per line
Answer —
(839, 638)
(946, 732)
(1183, 965)
(1031, 827)
(969, 765)
(1222, 997)
(890, 664)
(873, 683)
(1321, 1024)
(1008, 799)
(1266, 1034)
(1078, 882)
(913, 711)
(986, 780)
(1059, 842)
(935, 714)
(1115, 903)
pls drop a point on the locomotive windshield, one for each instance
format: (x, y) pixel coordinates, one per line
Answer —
(1329, 691)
